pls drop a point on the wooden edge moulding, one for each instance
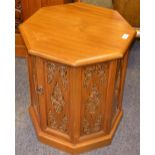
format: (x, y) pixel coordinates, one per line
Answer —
(23, 10)
(76, 109)
(76, 75)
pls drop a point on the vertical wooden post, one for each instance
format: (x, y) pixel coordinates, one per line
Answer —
(75, 96)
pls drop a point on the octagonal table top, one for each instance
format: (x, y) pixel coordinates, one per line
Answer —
(77, 34)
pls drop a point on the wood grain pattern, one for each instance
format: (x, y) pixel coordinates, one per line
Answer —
(20, 47)
(76, 106)
(85, 33)
(75, 109)
(57, 86)
(70, 147)
(115, 102)
(23, 10)
(94, 79)
(130, 10)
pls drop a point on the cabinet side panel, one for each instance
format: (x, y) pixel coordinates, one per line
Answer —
(94, 87)
(40, 90)
(116, 94)
(57, 80)
(33, 85)
(109, 95)
(119, 86)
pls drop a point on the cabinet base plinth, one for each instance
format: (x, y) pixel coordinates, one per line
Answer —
(69, 147)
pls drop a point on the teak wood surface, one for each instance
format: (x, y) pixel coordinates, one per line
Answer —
(77, 34)
(23, 10)
(130, 10)
(77, 62)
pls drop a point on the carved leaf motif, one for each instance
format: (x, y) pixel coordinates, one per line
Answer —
(52, 121)
(99, 70)
(98, 123)
(88, 129)
(57, 119)
(63, 126)
(87, 75)
(57, 99)
(95, 79)
(91, 109)
(63, 70)
(93, 101)
(63, 74)
(51, 71)
(86, 126)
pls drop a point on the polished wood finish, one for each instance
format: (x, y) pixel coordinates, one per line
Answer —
(85, 33)
(77, 69)
(23, 10)
(130, 10)
(76, 117)
(20, 47)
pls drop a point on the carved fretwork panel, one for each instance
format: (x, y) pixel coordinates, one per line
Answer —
(94, 84)
(18, 13)
(115, 104)
(35, 85)
(57, 87)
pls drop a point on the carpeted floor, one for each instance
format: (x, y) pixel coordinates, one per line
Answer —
(127, 137)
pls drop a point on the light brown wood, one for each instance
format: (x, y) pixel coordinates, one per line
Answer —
(109, 99)
(78, 103)
(69, 147)
(29, 7)
(130, 10)
(85, 33)
(76, 106)
(20, 47)
(26, 8)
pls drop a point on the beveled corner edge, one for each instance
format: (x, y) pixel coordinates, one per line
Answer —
(69, 147)
(77, 63)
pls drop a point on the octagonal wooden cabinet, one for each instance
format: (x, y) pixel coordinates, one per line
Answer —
(77, 59)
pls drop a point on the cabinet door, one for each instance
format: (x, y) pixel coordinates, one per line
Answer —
(50, 91)
(57, 85)
(93, 104)
(37, 88)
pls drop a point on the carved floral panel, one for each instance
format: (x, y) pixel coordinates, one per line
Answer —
(94, 84)
(57, 83)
